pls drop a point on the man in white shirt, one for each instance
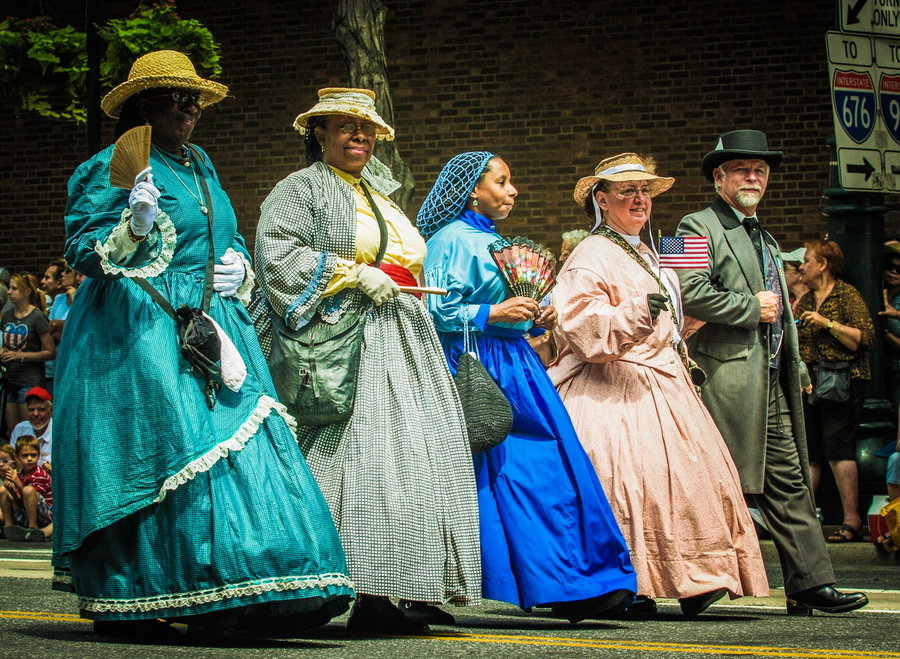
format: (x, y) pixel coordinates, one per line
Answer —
(39, 403)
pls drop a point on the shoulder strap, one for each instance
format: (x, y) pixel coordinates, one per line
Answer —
(208, 281)
(382, 225)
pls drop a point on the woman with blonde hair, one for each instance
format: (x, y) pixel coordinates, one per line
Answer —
(625, 378)
(27, 345)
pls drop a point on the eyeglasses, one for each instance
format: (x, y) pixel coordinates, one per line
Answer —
(893, 268)
(350, 128)
(631, 192)
(182, 98)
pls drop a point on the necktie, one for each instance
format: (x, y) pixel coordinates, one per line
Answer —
(751, 224)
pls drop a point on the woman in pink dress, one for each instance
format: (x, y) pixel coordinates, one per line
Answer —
(624, 376)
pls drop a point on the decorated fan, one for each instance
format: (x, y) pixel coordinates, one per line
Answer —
(131, 156)
(527, 266)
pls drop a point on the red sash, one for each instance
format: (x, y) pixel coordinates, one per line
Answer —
(400, 275)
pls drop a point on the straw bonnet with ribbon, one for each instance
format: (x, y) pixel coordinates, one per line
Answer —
(623, 167)
(162, 69)
(738, 145)
(346, 102)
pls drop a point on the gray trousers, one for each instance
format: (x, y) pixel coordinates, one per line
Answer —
(787, 505)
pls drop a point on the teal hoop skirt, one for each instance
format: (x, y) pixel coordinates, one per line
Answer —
(165, 508)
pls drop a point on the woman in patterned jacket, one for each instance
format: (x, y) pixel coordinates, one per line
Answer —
(398, 473)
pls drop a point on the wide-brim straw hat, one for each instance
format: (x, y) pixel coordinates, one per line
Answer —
(162, 69)
(623, 167)
(740, 145)
(346, 102)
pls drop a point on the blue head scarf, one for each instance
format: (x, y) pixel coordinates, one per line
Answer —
(451, 191)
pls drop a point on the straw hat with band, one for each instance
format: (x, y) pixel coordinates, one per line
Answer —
(738, 145)
(623, 167)
(346, 102)
(162, 69)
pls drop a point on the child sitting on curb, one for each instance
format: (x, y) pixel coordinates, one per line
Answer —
(26, 496)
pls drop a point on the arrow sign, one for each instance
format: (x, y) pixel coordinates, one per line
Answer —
(853, 12)
(866, 168)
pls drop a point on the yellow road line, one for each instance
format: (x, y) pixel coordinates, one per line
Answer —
(41, 615)
(510, 639)
(751, 650)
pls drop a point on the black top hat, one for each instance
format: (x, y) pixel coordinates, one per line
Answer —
(740, 144)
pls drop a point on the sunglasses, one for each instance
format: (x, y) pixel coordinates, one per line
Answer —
(893, 268)
(181, 98)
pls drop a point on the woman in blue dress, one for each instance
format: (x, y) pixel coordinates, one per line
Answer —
(548, 536)
(175, 501)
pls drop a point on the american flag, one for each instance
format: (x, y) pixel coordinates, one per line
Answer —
(687, 252)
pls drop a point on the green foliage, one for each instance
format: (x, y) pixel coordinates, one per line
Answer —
(44, 69)
(155, 27)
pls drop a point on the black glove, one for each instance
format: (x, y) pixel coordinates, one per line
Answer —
(657, 303)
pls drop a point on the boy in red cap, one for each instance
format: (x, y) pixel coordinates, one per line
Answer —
(39, 403)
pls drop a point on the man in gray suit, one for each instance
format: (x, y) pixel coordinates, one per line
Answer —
(748, 349)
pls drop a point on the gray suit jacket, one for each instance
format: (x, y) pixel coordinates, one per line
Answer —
(732, 347)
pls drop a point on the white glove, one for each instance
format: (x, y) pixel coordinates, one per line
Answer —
(228, 277)
(376, 284)
(142, 201)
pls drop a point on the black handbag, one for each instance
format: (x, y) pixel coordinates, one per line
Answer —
(833, 381)
(316, 367)
(487, 411)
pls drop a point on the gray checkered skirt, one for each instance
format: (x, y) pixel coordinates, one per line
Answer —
(398, 475)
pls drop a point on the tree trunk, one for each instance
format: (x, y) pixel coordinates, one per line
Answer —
(359, 28)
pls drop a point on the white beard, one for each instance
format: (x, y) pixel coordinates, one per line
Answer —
(748, 198)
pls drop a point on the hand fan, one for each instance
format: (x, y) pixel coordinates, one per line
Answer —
(131, 156)
(527, 266)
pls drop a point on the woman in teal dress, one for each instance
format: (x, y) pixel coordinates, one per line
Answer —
(548, 535)
(174, 502)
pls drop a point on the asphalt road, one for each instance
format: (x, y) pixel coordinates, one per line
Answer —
(37, 622)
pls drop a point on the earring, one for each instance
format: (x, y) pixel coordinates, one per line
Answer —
(474, 202)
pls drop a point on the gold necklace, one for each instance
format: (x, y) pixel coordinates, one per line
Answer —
(199, 196)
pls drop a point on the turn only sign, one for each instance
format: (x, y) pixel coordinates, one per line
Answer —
(865, 97)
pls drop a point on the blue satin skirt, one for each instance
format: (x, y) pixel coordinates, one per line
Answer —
(548, 534)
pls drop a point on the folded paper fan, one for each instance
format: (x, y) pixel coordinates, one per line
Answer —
(131, 156)
(529, 268)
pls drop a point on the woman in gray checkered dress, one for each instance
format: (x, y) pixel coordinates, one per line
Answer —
(398, 474)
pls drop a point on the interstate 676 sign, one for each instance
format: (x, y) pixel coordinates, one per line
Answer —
(854, 102)
(865, 95)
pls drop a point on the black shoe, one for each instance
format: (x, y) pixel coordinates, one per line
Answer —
(691, 607)
(825, 599)
(422, 612)
(642, 608)
(376, 615)
(595, 607)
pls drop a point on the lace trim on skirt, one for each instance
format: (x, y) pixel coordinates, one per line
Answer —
(236, 442)
(211, 595)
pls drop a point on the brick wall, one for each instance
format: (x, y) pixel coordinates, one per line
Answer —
(551, 85)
